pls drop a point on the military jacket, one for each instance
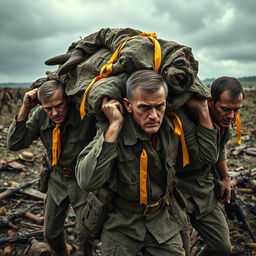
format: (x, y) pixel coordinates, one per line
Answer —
(199, 184)
(75, 135)
(117, 164)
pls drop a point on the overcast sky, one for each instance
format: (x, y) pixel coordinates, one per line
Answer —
(222, 34)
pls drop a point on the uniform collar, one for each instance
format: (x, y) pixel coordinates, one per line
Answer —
(131, 134)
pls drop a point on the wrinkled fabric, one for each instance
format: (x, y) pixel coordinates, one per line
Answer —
(137, 54)
(75, 135)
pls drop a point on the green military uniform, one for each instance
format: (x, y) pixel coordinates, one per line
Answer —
(125, 232)
(5, 100)
(63, 189)
(18, 96)
(196, 181)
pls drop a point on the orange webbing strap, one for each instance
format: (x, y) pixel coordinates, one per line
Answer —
(157, 50)
(238, 128)
(56, 144)
(178, 130)
(107, 69)
(143, 177)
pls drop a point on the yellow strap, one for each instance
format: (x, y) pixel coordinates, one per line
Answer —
(238, 128)
(107, 69)
(82, 105)
(56, 145)
(157, 50)
(143, 177)
(178, 130)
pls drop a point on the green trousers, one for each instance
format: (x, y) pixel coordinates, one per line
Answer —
(118, 244)
(54, 232)
(213, 229)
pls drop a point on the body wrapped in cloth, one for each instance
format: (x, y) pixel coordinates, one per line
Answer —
(176, 64)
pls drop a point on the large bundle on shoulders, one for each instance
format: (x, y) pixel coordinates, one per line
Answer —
(111, 55)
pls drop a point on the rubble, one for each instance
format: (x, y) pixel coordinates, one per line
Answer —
(14, 171)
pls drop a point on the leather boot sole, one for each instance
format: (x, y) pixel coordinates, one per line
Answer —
(60, 59)
(77, 56)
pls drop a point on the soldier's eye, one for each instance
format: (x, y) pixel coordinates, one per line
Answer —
(145, 108)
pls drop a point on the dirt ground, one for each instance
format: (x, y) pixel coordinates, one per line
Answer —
(242, 165)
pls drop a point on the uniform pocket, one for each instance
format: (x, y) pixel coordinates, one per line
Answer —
(94, 215)
(129, 168)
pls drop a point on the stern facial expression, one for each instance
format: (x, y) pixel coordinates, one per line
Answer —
(56, 107)
(147, 110)
(223, 111)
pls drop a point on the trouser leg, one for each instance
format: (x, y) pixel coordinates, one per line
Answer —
(85, 248)
(172, 247)
(1, 106)
(9, 107)
(117, 244)
(214, 231)
(54, 219)
(185, 236)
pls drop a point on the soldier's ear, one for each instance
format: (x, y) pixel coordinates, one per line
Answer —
(210, 102)
(127, 105)
(39, 101)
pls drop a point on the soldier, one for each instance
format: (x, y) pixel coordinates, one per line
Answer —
(196, 181)
(5, 100)
(18, 96)
(62, 132)
(134, 154)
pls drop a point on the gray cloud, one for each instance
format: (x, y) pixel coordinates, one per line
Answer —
(220, 26)
(221, 33)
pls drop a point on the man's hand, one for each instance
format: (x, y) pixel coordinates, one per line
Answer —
(113, 110)
(222, 169)
(30, 100)
(227, 189)
(201, 109)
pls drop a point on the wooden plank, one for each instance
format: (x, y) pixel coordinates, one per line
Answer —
(34, 193)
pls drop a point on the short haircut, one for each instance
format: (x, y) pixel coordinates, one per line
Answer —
(48, 88)
(230, 84)
(146, 80)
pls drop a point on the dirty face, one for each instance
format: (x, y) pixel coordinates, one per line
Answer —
(56, 107)
(147, 110)
(223, 111)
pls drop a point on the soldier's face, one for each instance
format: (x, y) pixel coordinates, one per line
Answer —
(147, 110)
(56, 107)
(223, 111)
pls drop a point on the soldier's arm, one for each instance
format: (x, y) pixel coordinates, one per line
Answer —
(22, 133)
(201, 140)
(95, 162)
(30, 100)
(201, 110)
(222, 169)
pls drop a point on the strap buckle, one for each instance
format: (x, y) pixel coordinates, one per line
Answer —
(151, 209)
(67, 172)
